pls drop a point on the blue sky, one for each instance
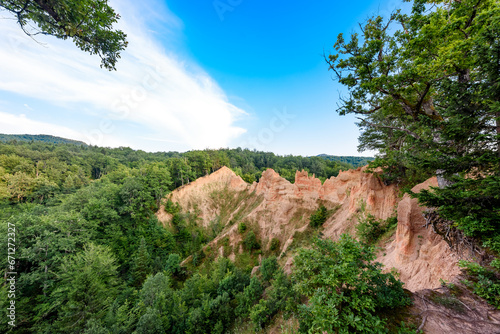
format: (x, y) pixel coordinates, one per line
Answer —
(209, 74)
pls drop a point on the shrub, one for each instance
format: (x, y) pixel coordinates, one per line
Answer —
(249, 297)
(242, 227)
(485, 282)
(198, 257)
(248, 178)
(341, 276)
(250, 242)
(279, 295)
(319, 217)
(275, 245)
(172, 208)
(370, 230)
(268, 268)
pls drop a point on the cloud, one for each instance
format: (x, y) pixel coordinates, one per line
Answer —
(20, 124)
(153, 94)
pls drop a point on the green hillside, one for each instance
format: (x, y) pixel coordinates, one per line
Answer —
(42, 138)
(354, 161)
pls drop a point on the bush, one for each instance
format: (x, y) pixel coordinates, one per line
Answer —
(198, 257)
(260, 314)
(250, 242)
(249, 297)
(248, 178)
(268, 268)
(485, 282)
(279, 295)
(275, 245)
(341, 276)
(242, 227)
(370, 230)
(319, 217)
(173, 265)
(172, 208)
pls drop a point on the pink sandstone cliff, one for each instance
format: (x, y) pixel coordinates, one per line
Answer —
(420, 256)
(279, 209)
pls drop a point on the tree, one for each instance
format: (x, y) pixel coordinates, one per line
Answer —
(141, 262)
(279, 295)
(158, 181)
(88, 22)
(344, 287)
(150, 323)
(426, 88)
(136, 198)
(250, 242)
(88, 285)
(268, 267)
(20, 186)
(173, 265)
(250, 296)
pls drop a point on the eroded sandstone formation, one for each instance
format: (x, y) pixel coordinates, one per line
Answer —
(278, 209)
(420, 256)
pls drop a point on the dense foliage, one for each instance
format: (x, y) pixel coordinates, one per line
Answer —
(370, 230)
(82, 161)
(345, 288)
(43, 138)
(318, 217)
(91, 252)
(354, 161)
(427, 88)
(484, 281)
(91, 256)
(89, 23)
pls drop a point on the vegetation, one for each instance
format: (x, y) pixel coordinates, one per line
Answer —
(242, 227)
(96, 162)
(42, 138)
(371, 230)
(250, 242)
(345, 289)
(275, 245)
(94, 258)
(426, 88)
(89, 23)
(354, 161)
(319, 217)
(485, 282)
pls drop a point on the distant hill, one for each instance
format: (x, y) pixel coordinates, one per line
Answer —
(42, 138)
(354, 161)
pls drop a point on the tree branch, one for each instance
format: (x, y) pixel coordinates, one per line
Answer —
(414, 135)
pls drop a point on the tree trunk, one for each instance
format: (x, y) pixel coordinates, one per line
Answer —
(498, 134)
(443, 182)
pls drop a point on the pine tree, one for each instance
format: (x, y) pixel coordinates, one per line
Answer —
(141, 263)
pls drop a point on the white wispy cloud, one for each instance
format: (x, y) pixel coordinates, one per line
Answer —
(152, 95)
(20, 124)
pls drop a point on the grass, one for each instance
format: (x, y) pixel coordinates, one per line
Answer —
(450, 302)
(234, 205)
(305, 238)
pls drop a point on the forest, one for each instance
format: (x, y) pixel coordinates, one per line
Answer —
(91, 256)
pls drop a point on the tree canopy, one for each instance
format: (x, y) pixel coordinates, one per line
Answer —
(89, 23)
(346, 289)
(426, 87)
